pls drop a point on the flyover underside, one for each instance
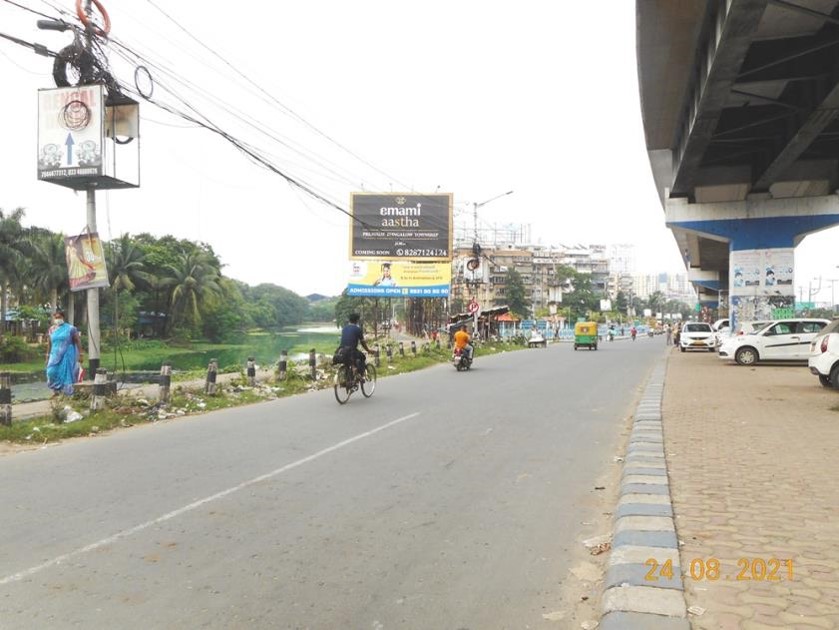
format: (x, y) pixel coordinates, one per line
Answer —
(758, 114)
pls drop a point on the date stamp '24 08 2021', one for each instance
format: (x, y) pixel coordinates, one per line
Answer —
(747, 569)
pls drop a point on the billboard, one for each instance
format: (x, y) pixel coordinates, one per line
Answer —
(85, 262)
(384, 278)
(401, 226)
(70, 132)
(762, 272)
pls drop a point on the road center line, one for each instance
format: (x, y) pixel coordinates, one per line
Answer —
(196, 504)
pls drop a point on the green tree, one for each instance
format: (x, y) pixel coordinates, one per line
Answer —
(516, 294)
(656, 301)
(48, 267)
(11, 239)
(192, 279)
(621, 302)
(126, 264)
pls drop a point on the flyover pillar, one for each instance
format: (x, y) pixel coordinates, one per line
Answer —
(761, 233)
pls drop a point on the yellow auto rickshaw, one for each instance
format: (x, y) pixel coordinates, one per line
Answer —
(585, 335)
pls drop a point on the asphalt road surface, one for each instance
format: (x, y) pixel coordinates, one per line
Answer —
(448, 500)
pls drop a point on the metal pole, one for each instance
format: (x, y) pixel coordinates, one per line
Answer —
(93, 336)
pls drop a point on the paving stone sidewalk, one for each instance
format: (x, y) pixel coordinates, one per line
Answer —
(752, 459)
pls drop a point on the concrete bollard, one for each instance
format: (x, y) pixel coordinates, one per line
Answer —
(401, 349)
(165, 383)
(449, 344)
(100, 390)
(283, 364)
(6, 398)
(438, 343)
(389, 351)
(210, 384)
(313, 364)
(376, 354)
(414, 348)
(251, 369)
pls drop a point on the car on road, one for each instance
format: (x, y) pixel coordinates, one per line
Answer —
(824, 355)
(781, 340)
(722, 326)
(697, 336)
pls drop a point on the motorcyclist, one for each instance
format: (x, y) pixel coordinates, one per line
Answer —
(462, 341)
(612, 332)
(351, 336)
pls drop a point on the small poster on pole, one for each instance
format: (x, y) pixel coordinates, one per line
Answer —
(85, 262)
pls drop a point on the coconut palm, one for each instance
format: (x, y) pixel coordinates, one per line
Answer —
(11, 256)
(191, 279)
(48, 267)
(126, 265)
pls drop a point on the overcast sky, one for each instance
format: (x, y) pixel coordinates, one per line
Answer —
(475, 98)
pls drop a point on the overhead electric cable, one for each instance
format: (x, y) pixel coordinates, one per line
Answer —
(272, 97)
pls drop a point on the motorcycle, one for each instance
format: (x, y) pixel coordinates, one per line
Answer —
(461, 360)
(611, 335)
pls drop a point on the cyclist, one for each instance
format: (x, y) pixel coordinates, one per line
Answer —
(351, 336)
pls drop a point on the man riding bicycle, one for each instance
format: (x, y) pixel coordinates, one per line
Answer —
(351, 336)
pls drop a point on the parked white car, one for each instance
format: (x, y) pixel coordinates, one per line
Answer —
(781, 340)
(824, 355)
(697, 336)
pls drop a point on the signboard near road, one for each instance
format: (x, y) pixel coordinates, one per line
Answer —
(70, 132)
(401, 226)
(402, 278)
(473, 307)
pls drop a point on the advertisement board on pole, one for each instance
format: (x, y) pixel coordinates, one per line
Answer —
(70, 132)
(402, 278)
(85, 262)
(406, 226)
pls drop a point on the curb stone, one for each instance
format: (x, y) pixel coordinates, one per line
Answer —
(644, 528)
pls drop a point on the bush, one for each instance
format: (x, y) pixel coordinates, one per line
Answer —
(15, 350)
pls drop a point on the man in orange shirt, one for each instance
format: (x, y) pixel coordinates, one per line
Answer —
(461, 341)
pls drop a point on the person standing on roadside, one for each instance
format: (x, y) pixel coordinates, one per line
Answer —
(64, 355)
(669, 334)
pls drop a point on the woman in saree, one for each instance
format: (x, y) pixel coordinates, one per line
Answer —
(64, 355)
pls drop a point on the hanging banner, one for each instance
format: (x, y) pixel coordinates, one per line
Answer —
(85, 262)
(382, 278)
(762, 272)
(398, 226)
(70, 131)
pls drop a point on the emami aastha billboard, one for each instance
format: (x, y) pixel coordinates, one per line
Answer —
(397, 226)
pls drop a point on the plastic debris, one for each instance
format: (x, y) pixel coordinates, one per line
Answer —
(696, 610)
(589, 625)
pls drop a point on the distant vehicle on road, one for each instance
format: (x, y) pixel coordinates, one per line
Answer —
(537, 339)
(824, 355)
(697, 336)
(585, 335)
(781, 340)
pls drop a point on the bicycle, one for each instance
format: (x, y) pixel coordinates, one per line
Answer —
(348, 380)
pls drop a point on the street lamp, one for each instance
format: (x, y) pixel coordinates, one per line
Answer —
(475, 207)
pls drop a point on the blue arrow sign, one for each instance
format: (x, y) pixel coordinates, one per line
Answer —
(69, 142)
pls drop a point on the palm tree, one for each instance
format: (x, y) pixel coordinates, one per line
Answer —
(49, 265)
(126, 268)
(192, 279)
(11, 238)
(126, 265)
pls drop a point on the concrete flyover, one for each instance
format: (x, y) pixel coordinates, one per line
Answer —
(740, 100)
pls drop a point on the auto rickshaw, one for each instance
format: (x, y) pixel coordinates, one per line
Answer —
(585, 335)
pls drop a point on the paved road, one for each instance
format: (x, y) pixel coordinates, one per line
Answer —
(446, 501)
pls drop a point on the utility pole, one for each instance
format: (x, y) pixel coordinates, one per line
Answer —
(93, 333)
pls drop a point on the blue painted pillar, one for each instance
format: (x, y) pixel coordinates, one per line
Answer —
(761, 236)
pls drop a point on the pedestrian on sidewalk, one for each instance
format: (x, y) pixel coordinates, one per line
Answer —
(669, 334)
(64, 355)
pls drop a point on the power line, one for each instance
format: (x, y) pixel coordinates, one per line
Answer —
(272, 97)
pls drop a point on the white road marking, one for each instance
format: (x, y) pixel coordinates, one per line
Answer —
(196, 504)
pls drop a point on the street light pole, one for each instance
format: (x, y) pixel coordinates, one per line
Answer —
(475, 207)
